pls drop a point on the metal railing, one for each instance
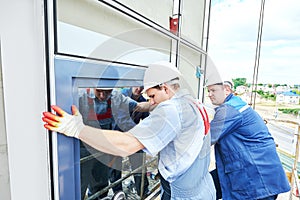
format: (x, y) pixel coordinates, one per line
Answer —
(146, 163)
(294, 172)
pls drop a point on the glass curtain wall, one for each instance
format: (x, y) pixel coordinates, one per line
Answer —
(133, 34)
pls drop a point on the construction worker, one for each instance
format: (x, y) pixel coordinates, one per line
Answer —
(175, 129)
(247, 164)
(95, 107)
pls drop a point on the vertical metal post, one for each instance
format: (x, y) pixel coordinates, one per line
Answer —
(257, 53)
(143, 175)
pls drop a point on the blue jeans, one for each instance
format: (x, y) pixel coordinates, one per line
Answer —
(214, 174)
(166, 187)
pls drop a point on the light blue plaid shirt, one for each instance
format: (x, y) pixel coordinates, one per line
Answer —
(175, 130)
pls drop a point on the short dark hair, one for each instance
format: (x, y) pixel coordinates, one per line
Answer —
(221, 83)
(228, 83)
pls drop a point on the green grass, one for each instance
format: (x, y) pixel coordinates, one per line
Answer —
(293, 111)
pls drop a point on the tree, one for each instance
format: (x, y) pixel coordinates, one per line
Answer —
(239, 81)
(270, 85)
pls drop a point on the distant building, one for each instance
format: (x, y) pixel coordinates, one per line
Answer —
(264, 88)
(280, 89)
(288, 98)
(246, 96)
(241, 89)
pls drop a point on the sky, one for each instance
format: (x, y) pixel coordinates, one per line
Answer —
(233, 37)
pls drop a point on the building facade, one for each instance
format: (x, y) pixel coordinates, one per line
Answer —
(51, 49)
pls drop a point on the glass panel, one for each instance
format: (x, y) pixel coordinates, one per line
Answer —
(193, 20)
(190, 65)
(103, 33)
(99, 170)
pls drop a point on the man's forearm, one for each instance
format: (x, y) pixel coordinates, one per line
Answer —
(110, 141)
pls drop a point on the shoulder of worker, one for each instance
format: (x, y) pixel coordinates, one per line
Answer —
(235, 102)
(126, 91)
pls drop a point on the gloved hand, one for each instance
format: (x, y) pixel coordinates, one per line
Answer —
(70, 125)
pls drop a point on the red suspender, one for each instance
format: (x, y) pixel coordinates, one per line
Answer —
(205, 118)
(94, 116)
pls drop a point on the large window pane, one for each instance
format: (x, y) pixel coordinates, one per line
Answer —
(192, 20)
(191, 65)
(158, 11)
(134, 174)
(126, 41)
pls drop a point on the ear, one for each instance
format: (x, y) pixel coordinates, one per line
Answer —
(165, 88)
(227, 90)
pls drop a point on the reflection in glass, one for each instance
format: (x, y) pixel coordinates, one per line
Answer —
(98, 170)
(95, 107)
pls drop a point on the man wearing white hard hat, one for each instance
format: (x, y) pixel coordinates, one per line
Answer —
(175, 129)
(96, 109)
(247, 164)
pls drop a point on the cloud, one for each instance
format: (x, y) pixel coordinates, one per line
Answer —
(282, 20)
(233, 38)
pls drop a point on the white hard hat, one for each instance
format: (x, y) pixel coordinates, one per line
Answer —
(104, 88)
(158, 73)
(212, 74)
(213, 80)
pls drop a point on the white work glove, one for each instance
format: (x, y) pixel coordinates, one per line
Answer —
(70, 125)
